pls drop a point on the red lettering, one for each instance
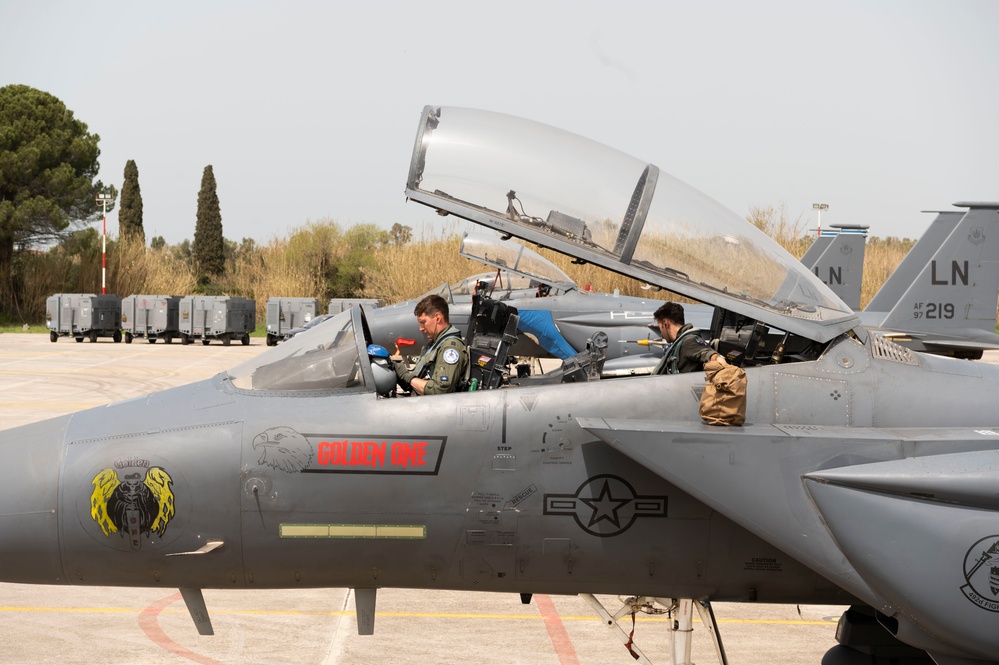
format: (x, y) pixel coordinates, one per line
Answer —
(406, 455)
(399, 453)
(351, 453)
(331, 452)
(378, 454)
(372, 454)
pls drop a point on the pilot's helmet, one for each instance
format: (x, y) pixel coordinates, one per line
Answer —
(382, 368)
(377, 351)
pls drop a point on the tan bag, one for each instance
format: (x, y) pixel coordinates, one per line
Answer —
(723, 401)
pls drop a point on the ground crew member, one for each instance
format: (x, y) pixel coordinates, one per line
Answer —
(444, 358)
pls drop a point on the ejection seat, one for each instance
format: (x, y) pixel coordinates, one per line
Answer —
(491, 332)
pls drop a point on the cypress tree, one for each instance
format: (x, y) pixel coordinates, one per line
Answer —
(209, 246)
(130, 210)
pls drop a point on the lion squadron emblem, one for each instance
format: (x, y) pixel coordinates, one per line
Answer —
(132, 498)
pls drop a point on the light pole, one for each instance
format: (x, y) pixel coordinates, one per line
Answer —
(820, 207)
(104, 198)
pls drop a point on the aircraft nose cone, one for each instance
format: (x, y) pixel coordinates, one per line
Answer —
(30, 458)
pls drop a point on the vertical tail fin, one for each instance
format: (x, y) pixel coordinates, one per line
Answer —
(837, 258)
(817, 247)
(957, 290)
(918, 258)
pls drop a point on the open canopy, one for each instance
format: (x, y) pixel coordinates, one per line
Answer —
(589, 201)
(515, 258)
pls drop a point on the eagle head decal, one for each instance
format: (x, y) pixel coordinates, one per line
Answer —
(283, 448)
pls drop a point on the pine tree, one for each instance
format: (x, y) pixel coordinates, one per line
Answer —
(48, 166)
(130, 210)
(209, 246)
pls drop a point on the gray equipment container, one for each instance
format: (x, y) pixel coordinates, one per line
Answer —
(338, 305)
(152, 317)
(217, 317)
(284, 314)
(80, 315)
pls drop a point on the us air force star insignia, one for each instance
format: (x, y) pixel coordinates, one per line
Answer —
(450, 356)
(605, 506)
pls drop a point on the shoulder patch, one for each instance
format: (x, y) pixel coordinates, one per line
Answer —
(450, 356)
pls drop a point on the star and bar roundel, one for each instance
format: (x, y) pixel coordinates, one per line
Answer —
(605, 506)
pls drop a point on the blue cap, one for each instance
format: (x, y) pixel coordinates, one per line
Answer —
(377, 351)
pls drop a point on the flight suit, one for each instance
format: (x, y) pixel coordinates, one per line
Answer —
(442, 363)
(687, 353)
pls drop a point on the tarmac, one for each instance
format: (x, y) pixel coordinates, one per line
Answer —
(43, 624)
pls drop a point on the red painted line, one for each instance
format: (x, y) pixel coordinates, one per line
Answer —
(556, 631)
(150, 625)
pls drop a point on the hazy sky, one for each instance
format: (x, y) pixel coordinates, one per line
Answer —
(308, 110)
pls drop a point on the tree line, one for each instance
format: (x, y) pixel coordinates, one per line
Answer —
(49, 161)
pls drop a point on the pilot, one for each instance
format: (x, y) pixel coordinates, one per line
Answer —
(688, 351)
(444, 358)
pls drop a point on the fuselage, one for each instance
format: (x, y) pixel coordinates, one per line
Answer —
(493, 490)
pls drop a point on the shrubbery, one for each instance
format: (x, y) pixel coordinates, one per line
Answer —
(324, 260)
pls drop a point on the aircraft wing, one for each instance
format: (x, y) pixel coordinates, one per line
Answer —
(970, 344)
(958, 340)
(888, 514)
(752, 475)
(923, 533)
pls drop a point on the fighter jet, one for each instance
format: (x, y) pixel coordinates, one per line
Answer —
(942, 298)
(852, 480)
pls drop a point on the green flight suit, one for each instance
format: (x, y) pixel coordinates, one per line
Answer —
(442, 363)
(687, 353)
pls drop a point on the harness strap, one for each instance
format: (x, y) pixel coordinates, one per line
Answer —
(423, 369)
(670, 364)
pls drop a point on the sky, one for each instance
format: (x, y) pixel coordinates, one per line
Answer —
(307, 111)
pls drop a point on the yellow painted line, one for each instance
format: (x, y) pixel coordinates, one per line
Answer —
(72, 610)
(49, 405)
(141, 371)
(53, 405)
(403, 615)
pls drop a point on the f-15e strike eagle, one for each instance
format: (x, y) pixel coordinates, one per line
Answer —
(865, 473)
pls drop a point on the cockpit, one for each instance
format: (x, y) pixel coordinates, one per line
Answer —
(326, 357)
